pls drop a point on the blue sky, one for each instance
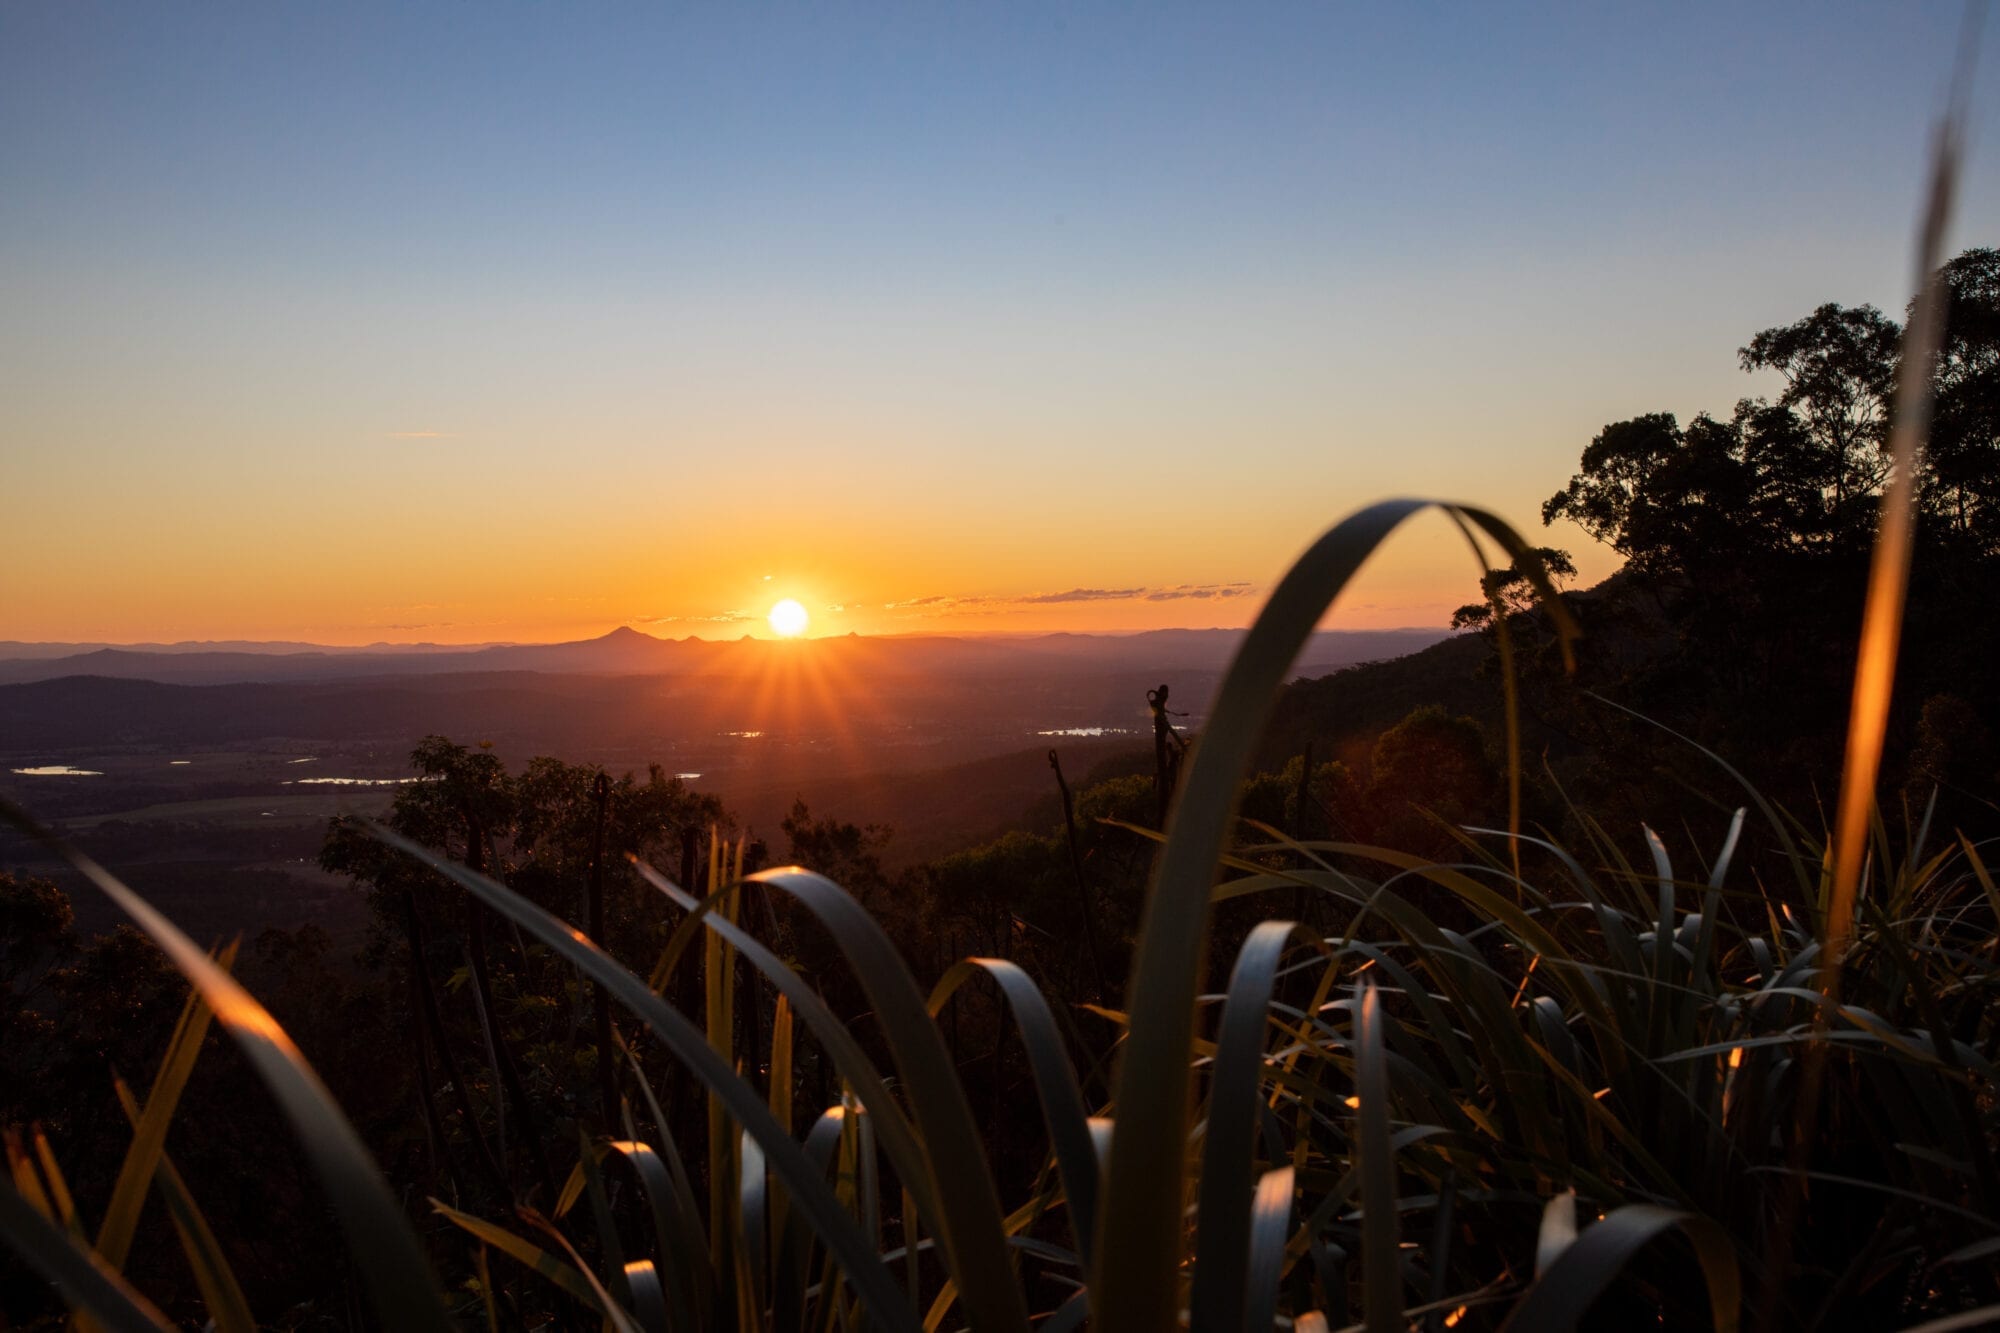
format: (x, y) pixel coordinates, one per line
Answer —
(442, 303)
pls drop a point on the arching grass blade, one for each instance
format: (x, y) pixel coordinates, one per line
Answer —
(1270, 1227)
(394, 1270)
(83, 1278)
(1588, 1266)
(1223, 1213)
(861, 1266)
(1063, 1113)
(968, 1202)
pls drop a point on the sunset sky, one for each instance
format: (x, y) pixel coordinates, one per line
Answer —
(427, 322)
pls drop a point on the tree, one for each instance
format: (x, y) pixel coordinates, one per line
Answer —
(1961, 494)
(1430, 767)
(1747, 541)
(518, 1021)
(848, 854)
(1798, 475)
(1510, 588)
(1672, 501)
(1839, 364)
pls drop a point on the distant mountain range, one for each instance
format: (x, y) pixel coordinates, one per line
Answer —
(628, 652)
(14, 649)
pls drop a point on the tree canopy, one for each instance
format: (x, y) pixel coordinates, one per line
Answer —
(1802, 474)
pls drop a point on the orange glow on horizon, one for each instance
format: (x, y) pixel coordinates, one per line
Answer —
(888, 580)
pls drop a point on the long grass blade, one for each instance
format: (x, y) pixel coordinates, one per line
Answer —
(617, 1318)
(392, 1264)
(1558, 1231)
(899, 1138)
(1270, 1226)
(968, 1201)
(1984, 1317)
(1063, 1113)
(1134, 1286)
(220, 1292)
(673, 1239)
(858, 1259)
(649, 1300)
(688, 1254)
(1228, 1170)
(62, 1205)
(149, 1134)
(28, 1184)
(1588, 1266)
(1381, 1264)
(1889, 568)
(525, 1252)
(753, 1195)
(83, 1278)
(610, 1247)
(718, 973)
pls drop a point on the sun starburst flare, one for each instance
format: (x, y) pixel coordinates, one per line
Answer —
(789, 619)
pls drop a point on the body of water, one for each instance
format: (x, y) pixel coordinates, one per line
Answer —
(347, 782)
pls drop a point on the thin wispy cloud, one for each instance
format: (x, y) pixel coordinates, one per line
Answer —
(720, 618)
(939, 604)
(1083, 595)
(916, 603)
(1198, 590)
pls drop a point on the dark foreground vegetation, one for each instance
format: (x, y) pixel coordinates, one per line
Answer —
(1335, 1048)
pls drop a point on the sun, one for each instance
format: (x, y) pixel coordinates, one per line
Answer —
(789, 619)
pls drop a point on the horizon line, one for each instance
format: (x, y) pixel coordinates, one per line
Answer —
(304, 647)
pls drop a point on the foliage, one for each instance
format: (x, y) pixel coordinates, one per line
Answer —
(1509, 590)
(1802, 475)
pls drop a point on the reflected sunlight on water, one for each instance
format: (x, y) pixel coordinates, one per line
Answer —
(347, 782)
(1089, 731)
(59, 771)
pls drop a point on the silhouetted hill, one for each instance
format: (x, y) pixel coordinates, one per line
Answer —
(935, 812)
(1342, 713)
(627, 651)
